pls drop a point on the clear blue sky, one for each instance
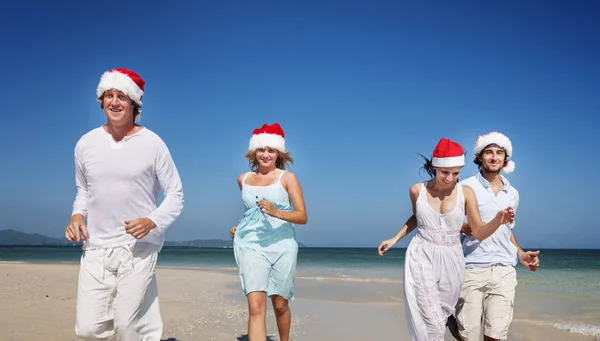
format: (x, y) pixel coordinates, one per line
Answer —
(359, 87)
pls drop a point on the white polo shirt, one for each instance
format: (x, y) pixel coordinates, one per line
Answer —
(497, 248)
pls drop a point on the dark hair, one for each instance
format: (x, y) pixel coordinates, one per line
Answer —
(477, 160)
(428, 167)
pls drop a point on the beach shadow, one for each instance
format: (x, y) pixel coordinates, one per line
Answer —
(171, 339)
(245, 338)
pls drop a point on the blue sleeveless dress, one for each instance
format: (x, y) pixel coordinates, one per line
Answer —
(265, 247)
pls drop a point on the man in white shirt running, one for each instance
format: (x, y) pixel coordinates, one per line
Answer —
(488, 291)
(120, 168)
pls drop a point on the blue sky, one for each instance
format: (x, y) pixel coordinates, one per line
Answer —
(360, 89)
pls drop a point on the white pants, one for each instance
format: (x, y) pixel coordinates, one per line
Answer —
(117, 293)
(488, 294)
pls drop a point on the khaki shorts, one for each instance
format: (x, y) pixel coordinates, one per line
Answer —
(488, 296)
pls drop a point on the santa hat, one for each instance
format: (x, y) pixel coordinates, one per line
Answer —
(124, 80)
(448, 154)
(268, 136)
(501, 141)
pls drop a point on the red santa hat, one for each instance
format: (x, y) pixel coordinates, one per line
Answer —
(501, 141)
(448, 153)
(268, 136)
(124, 80)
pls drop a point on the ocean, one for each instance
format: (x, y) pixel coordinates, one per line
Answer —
(564, 293)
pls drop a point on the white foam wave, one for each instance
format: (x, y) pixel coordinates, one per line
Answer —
(585, 329)
(572, 327)
(346, 278)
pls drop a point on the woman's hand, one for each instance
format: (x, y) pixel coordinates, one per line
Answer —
(386, 245)
(506, 216)
(267, 207)
(232, 231)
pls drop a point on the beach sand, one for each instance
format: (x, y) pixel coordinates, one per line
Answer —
(38, 303)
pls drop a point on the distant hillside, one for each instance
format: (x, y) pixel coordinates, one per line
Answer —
(12, 237)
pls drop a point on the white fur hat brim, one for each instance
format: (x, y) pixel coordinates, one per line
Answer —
(118, 81)
(454, 161)
(493, 138)
(267, 140)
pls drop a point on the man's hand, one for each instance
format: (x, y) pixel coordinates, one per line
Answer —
(466, 229)
(232, 231)
(76, 230)
(530, 259)
(139, 228)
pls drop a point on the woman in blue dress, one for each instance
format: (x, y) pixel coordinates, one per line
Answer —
(264, 241)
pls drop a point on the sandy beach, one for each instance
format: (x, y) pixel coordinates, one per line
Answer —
(38, 303)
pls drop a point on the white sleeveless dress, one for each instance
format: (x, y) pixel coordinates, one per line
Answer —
(434, 268)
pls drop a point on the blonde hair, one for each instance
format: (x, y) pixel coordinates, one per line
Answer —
(283, 160)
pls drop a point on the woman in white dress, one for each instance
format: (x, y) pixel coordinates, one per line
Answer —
(434, 266)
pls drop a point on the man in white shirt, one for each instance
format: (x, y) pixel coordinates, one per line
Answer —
(120, 168)
(488, 291)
